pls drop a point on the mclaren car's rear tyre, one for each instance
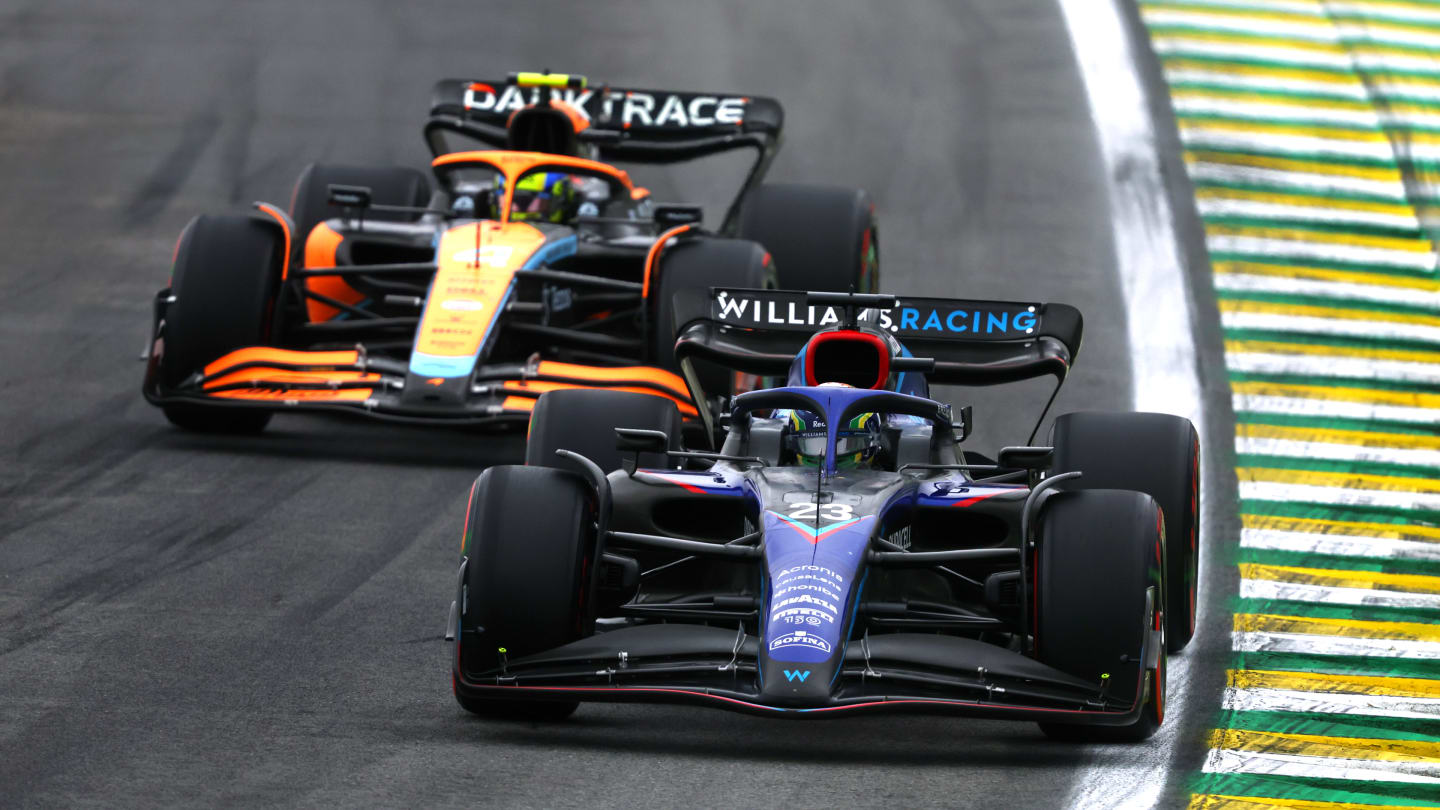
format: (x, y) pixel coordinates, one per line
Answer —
(822, 239)
(699, 265)
(528, 545)
(1099, 595)
(1157, 454)
(583, 420)
(389, 185)
(225, 281)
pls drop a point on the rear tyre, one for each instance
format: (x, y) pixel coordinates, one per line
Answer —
(583, 420)
(529, 543)
(1100, 591)
(822, 239)
(1157, 454)
(225, 281)
(699, 265)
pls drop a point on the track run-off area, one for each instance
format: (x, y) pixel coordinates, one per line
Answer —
(1311, 135)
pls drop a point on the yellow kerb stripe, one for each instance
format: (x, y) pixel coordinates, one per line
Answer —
(1340, 628)
(1340, 313)
(1328, 578)
(1373, 396)
(1316, 200)
(1182, 63)
(1320, 24)
(1313, 349)
(1324, 274)
(1299, 130)
(1217, 801)
(1342, 528)
(1359, 438)
(1296, 44)
(1324, 682)
(1382, 173)
(1325, 237)
(1339, 480)
(1315, 745)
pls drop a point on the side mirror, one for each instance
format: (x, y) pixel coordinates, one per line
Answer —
(349, 196)
(636, 441)
(668, 215)
(1027, 458)
(963, 427)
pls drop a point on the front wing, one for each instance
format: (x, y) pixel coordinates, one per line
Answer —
(352, 381)
(676, 663)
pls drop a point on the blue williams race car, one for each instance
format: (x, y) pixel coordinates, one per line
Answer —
(840, 551)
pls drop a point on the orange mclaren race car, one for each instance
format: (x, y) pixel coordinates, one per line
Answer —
(462, 294)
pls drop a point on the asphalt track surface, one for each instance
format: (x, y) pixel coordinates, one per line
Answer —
(186, 619)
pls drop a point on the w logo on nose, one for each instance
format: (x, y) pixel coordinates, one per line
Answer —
(796, 675)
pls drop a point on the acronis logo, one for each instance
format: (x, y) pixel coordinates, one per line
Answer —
(796, 675)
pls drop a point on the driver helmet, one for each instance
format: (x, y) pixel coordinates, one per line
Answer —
(543, 196)
(856, 444)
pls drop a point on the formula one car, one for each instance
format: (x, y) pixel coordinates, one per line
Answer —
(840, 553)
(529, 268)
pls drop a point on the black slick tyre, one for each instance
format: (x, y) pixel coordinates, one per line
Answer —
(1157, 454)
(1100, 586)
(583, 420)
(528, 546)
(700, 264)
(225, 282)
(823, 239)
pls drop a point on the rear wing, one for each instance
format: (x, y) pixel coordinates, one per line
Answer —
(629, 124)
(972, 342)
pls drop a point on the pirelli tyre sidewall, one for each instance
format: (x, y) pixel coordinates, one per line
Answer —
(225, 282)
(1154, 453)
(584, 420)
(528, 545)
(822, 239)
(702, 264)
(1100, 552)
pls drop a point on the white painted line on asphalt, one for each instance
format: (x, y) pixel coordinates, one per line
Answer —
(1329, 365)
(1355, 453)
(1339, 545)
(1337, 496)
(1291, 700)
(1340, 327)
(1341, 290)
(1299, 248)
(1202, 173)
(1335, 409)
(1312, 644)
(1326, 595)
(1160, 336)
(1224, 760)
(1288, 215)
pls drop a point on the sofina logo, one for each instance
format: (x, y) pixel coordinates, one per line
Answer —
(796, 675)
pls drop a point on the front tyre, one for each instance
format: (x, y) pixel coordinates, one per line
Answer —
(528, 587)
(225, 282)
(1099, 600)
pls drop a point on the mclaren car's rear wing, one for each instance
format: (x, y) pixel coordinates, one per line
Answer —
(638, 126)
(641, 126)
(972, 342)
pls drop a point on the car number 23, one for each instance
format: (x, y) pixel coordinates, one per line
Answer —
(828, 511)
